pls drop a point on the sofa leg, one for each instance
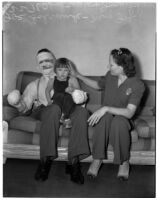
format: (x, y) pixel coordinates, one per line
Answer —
(4, 159)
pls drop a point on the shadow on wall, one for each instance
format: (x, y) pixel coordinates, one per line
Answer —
(138, 66)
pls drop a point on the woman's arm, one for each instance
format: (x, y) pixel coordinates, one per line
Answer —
(73, 84)
(127, 112)
(89, 82)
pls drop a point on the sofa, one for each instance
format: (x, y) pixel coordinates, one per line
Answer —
(22, 135)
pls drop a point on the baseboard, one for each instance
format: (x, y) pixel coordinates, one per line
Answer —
(25, 151)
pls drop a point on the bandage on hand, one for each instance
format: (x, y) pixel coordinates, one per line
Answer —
(79, 96)
(14, 98)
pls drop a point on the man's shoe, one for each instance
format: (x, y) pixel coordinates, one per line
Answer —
(75, 173)
(123, 172)
(68, 168)
(39, 171)
(94, 168)
(45, 172)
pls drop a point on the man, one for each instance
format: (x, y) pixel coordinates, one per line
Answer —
(50, 114)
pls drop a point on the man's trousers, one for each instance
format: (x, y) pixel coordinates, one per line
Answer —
(116, 130)
(49, 131)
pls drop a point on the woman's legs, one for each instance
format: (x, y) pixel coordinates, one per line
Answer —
(101, 137)
(100, 143)
(120, 139)
(113, 128)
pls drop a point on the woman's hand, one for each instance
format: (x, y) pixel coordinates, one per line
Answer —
(73, 71)
(97, 115)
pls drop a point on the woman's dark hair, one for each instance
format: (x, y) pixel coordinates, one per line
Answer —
(124, 58)
(47, 51)
(62, 63)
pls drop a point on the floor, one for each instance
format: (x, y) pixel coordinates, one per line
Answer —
(18, 181)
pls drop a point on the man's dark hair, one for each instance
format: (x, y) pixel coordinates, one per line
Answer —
(47, 51)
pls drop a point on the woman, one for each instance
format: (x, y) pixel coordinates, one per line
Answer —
(122, 94)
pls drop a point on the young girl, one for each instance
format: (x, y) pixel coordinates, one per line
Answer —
(63, 84)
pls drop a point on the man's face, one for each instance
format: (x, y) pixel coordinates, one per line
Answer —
(46, 62)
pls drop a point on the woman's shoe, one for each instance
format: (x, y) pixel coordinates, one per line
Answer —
(123, 172)
(94, 168)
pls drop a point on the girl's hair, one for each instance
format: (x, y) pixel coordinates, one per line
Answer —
(124, 58)
(62, 63)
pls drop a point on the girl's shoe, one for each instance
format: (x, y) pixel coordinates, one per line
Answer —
(123, 172)
(94, 168)
(67, 123)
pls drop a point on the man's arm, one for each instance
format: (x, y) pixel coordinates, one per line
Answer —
(28, 97)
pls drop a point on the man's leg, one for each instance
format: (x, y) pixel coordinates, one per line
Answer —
(49, 130)
(78, 147)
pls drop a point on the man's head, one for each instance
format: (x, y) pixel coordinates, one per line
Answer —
(46, 61)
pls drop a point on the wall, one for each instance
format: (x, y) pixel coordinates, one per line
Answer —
(83, 32)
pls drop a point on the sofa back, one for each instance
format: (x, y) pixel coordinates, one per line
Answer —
(147, 106)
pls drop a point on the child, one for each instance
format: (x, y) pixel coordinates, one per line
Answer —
(64, 85)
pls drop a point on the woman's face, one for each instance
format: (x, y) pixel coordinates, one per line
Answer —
(62, 73)
(115, 69)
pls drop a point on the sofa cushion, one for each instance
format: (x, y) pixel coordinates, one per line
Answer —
(144, 144)
(151, 121)
(145, 127)
(24, 123)
(134, 136)
(19, 137)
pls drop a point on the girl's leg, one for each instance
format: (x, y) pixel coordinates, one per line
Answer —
(68, 105)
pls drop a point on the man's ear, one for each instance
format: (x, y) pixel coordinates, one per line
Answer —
(38, 68)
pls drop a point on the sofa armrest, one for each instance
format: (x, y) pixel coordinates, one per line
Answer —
(5, 101)
(5, 132)
(9, 113)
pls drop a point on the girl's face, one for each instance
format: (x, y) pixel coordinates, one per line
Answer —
(115, 69)
(62, 73)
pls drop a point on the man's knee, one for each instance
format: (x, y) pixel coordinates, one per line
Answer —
(81, 113)
(51, 110)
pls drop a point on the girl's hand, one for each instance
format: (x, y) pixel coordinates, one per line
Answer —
(69, 90)
(97, 115)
